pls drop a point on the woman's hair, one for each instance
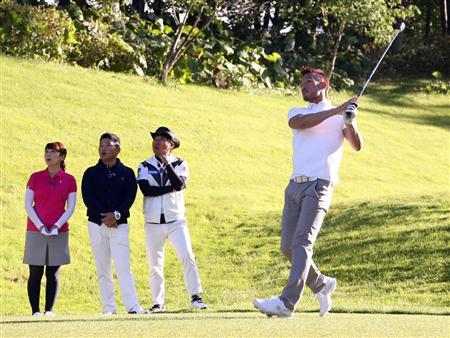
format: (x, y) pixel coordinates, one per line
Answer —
(60, 148)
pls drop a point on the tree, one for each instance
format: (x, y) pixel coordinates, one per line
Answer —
(191, 18)
(139, 6)
(81, 3)
(375, 18)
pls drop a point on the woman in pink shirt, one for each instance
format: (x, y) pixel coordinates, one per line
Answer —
(47, 239)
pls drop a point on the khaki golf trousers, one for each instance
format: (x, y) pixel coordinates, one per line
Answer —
(305, 207)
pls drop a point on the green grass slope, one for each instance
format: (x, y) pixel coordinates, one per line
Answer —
(385, 238)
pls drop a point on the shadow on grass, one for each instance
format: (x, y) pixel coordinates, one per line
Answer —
(387, 244)
(440, 121)
(393, 246)
(393, 95)
(391, 249)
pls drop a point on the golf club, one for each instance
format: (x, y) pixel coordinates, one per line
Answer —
(351, 109)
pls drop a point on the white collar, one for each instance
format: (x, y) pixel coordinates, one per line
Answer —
(154, 162)
(324, 103)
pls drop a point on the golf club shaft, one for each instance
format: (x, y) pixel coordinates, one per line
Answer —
(381, 59)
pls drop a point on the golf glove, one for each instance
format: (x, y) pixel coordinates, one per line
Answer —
(44, 231)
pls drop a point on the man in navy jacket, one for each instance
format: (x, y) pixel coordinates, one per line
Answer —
(109, 190)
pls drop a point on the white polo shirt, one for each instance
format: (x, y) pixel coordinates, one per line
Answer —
(317, 151)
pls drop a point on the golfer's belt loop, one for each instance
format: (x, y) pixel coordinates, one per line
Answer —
(303, 179)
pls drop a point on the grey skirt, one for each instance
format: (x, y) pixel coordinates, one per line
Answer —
(46, 250)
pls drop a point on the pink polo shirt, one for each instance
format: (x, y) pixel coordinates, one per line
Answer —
(50, 197)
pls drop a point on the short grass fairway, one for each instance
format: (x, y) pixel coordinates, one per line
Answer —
(231, 325)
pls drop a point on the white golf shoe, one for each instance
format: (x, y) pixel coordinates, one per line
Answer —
(272, 307)
(197, 303)
(324, 295)
(137, 310)
(49, 314)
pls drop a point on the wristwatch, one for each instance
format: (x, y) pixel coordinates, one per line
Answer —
(117, 215)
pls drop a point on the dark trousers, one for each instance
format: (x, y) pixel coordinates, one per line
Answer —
(34, 286)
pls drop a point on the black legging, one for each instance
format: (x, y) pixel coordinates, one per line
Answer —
(34, 286)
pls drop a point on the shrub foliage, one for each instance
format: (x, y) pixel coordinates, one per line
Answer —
(113, 36)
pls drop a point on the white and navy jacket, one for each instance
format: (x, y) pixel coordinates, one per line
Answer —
(163, 189)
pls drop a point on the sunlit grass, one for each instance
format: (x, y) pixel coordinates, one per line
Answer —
(231, 325)
(385, 239)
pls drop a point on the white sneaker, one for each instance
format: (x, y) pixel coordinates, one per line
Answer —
(137, 310)
(197, 303)
(257, 302)
(37, 314)
(324, 295)
(49, 314)
(272, 307)
(108, 313)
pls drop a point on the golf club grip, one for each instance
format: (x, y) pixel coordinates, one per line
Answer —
(350, 112)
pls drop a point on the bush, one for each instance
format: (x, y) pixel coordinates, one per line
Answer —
(438, 85)
(35, 32)
(109, 37)
(420, 60)
(96, 47)
(91, 39)
(101, 41)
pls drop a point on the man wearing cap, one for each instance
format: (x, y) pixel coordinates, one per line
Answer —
(318, 134)
(161, 179)
(109, 189)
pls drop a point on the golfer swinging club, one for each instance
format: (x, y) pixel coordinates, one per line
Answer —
(318, 135)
